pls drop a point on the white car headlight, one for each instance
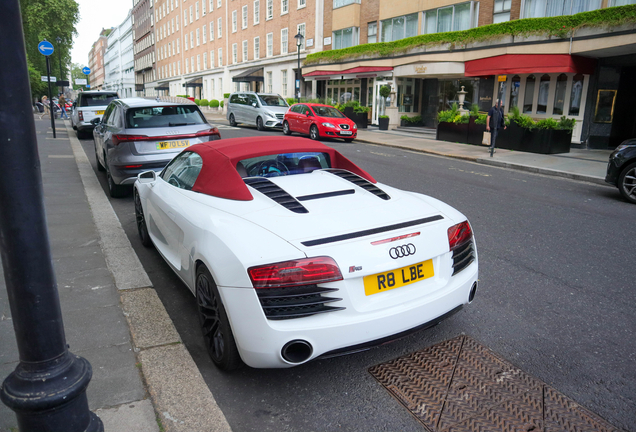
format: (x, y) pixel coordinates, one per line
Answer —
(355, 126)
(271, 114)
(329, 125)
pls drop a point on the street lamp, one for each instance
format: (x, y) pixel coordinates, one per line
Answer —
(299, 41)
(59, 43)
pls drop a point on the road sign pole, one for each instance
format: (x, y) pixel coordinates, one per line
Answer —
(51, 110)
(47, 389)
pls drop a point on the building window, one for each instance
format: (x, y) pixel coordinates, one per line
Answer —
(211, 5)
(284, 6)
(220, 28)
(345, 38)
(559, 94)
(203, 35)
(244, 23)
(178, 67)
(528, 95)
(244, 50)
(198, 38)
(576, 95)
(185, 42)
(192, 63)
(461, 16)
(501, 12)
(284, 82)
(178, 46)
(187, 65)
(196, 10)
(203, 8)
(302, 4)
(234, 23)
(192, 39)
(284, 43)
(257, 48)
(341, 3)
(270, 9)
(219, 3)
(211, 56)
(270, 44)
(551, 8)
(544, 91)
(397, 28)
(220, 57)
(191, 20)
(185, 18)
(198, 62)
(372, 32)
(205, 58)
(270, 87)
(301, 29)
(515, 85)
(257, 11)
(212, 31)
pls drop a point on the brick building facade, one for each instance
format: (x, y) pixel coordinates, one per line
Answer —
(96, 60)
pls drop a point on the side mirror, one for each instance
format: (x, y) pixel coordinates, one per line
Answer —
(254, 104)
(147, 177)
(96, 121)
(307, 113)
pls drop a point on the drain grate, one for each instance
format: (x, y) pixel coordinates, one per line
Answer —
(460, 385)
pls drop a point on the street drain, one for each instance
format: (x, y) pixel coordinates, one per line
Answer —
(460, 385)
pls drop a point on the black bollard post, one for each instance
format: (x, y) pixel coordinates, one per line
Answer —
(51, 109)
(47, 390)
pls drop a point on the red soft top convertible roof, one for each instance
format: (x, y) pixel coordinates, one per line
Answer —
(219, 177)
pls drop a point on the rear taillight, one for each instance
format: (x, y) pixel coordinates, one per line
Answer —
(80, 115)
(459, 235)
(213, 134)
(307, 271)
(119, 138)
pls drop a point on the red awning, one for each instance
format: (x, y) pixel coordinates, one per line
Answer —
(355, 70)
(509, 64)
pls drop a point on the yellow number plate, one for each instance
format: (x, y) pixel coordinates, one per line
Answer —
(99, 112)
(381, 282)
(165, 145)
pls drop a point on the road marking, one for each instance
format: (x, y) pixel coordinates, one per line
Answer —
(61, 156)
(470, 172)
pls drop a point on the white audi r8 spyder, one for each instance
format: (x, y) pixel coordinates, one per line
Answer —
(295, 253)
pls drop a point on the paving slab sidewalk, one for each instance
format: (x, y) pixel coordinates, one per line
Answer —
(143, 376)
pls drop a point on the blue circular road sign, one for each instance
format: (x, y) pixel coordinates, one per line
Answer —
(86, 70)
(45, 48)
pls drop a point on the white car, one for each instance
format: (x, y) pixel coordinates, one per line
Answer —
(88, 106)
(295, 253)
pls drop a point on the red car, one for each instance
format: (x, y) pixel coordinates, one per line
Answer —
(319, 121)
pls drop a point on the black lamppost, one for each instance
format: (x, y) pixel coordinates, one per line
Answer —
(59, 44)
(299, 41)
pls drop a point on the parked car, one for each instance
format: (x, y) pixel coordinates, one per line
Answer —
(88, 106)
(294, 253)
(621, 169)
(263, 110)
(319, 121)
(140, 134)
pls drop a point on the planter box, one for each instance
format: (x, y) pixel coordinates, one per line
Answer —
(475, 132)
(348, 111)
(383, 123)
(361, 119)
(453, 132)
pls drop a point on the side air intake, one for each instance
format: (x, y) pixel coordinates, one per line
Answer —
(359, 181)
(274, 192)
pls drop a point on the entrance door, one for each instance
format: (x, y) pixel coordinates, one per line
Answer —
(378, 103)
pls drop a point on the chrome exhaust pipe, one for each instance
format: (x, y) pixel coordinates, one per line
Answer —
(297, 351)
(473, 290)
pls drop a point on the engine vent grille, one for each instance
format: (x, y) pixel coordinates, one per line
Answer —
(359, 181)
(296, 302)
(272, 191)
(280, 116)
(463, 256)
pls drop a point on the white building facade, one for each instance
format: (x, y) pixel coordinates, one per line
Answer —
(119, 62)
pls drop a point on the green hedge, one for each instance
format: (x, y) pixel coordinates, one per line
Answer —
(226, 95)
(561, 26)
(204, 102)
(197, 101)
(214, 103)
(221, 103)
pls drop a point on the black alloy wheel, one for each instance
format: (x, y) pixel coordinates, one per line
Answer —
(286, 129)
(259, 124)
(115, 190)
(627, 183)
(142, 229)
(232, 120)
(214, 323)
(100, 167)
(313, 132)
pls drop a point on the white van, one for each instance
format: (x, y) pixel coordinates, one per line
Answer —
(263, 110)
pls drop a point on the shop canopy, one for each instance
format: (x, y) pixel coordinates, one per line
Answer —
(197, 82)
(162, 86)
(254, 74)
(363, 70)
(509, 64)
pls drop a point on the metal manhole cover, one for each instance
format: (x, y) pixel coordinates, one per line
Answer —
(460, 385)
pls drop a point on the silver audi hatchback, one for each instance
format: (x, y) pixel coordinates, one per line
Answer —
(141, 134)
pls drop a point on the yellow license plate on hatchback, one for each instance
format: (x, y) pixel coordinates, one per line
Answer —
(99, 112)
(166, 145)
(397, 278)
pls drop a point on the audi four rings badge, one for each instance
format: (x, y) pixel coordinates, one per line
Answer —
(402, 251)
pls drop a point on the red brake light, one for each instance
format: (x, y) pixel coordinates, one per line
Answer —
(80, 115)
(117, 139)
(293, 273)
(459, 234)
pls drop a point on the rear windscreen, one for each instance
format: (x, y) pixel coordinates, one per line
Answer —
(181, 115)
(97, 99)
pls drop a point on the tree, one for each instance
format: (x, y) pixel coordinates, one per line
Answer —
(76, 72)
(47, 19)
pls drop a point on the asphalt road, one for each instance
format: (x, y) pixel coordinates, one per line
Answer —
(556, 298)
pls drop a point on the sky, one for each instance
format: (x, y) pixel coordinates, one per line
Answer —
(95, 15)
